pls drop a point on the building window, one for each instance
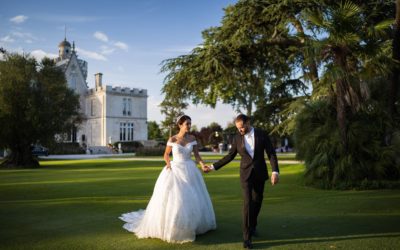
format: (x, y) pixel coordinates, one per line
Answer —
(74, 133)
(129, 106)
(128, 136)
(126, 131)
(124, 106)
(129, 131)
(71, 135)
(120, 131)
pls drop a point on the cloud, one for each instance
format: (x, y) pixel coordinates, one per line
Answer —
(26, 36)
(19, 36)
(100, 36)
(7, 39)
(23, 35)
(121, 45)
(18, 19)
(105, 50)
(91, 54)
(110, 46)
(40, 54)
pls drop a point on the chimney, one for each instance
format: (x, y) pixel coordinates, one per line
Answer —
(98, 78)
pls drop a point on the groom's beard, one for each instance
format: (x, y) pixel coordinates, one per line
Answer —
(245, 131)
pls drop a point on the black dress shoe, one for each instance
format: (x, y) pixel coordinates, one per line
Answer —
(247, 244)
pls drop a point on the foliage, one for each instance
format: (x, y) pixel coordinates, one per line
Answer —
(351, 50)
(35, 105)
(331, 165)
(172, 107)
(353, 43)
(206, 134)
(150, 151)
(277, 111)
(154, 131)
(266, 54)
(231, 65)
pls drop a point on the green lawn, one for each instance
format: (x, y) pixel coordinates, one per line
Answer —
(75, 204)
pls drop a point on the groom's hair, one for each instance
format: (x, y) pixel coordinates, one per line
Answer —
(242, 117)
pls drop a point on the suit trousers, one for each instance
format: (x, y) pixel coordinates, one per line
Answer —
(253, 194)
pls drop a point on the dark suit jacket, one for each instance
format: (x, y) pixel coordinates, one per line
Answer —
(247, 164)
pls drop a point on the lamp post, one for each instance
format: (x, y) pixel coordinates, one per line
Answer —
(218, 142)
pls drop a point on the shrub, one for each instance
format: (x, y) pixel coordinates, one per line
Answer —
(153, 151)
(66, 148)
(367, 159)
(129, 146)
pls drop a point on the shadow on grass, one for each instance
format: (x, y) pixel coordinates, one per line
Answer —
(228, 233)
(274, 243)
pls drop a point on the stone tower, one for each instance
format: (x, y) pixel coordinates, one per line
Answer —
(64, 49)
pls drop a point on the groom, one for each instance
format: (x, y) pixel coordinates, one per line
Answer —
(250, 143)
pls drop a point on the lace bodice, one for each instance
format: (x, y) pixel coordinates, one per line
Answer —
(182, 153)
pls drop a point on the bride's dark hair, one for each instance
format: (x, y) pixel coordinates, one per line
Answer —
(182, 119)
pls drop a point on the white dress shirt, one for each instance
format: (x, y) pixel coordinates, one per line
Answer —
(249, 143)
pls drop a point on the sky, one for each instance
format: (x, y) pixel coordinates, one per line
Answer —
(124, 40)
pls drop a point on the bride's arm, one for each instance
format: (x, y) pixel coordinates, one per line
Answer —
(197, 156)
(167, 152)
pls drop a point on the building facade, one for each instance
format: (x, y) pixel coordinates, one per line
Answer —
(110, 113)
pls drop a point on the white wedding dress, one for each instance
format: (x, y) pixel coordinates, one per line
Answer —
(180, 207)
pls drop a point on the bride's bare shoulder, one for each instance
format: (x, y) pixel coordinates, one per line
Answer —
(172, 139)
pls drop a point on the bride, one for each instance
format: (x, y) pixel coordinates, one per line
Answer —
(180, 207)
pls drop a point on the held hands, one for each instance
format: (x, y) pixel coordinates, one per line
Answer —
(205, 168)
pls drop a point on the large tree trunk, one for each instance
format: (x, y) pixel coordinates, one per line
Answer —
(342, 91)
(341, 111)
(313, 73)
(20, 157)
